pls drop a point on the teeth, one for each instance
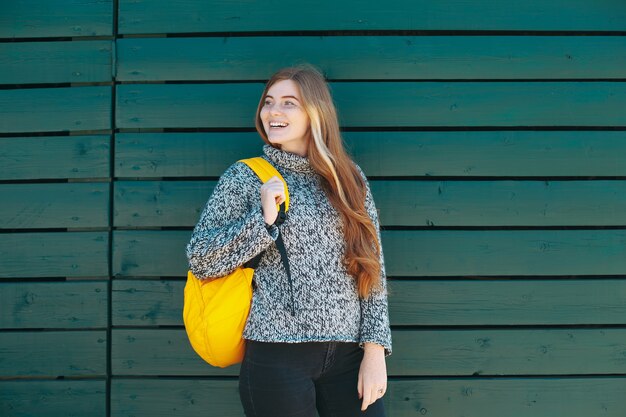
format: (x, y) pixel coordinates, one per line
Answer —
(278, 124)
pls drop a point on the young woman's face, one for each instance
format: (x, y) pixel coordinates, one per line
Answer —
(284, 120)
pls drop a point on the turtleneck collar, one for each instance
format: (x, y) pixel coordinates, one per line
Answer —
(287, 160)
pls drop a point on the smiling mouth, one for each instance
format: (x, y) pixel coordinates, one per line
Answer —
(278, 125)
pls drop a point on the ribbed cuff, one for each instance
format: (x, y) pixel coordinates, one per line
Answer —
(385, 345)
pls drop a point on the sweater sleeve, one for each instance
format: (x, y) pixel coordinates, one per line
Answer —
(231, 229)
(374, 309)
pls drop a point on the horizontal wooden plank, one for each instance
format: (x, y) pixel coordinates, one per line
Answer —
(56, 62)
(161, 16)
(69, 304)
(146, 352)
(54, 205)
(39, 18)
(465, 153)
(507, 302)
(173, 203)
(142, 352)
(53, 398)
(422, 252)
(477, 397)
(171, 398)
(147, 302)
(431, 104)
(512, 397)
(480, 103)
(71, 254)
(141, 105)
(374, 57)
(166, 249)
(54, 157)
(181, 154)
(409, 203)
(55, 109)
(508, 352)
(505, 252)
(53, 354)
(504, 153)
(424, 302)
(500, 203)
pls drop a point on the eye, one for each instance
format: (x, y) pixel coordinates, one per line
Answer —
(289, 103)
(268, 102)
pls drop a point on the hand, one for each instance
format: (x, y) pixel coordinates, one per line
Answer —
(372, 383)
(272, 193)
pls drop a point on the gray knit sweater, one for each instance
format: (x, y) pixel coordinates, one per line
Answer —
(232, 230)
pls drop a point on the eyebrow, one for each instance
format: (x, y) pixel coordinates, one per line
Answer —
(282, 97)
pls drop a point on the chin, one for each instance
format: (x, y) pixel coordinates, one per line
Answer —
(277, 141)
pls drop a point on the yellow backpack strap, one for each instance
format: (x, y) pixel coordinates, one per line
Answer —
(265, 171)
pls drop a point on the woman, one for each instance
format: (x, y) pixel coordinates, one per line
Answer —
(319, 342)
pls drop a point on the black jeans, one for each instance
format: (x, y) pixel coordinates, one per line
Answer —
(296, 379)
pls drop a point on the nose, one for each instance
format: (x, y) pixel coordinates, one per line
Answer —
(275, 109)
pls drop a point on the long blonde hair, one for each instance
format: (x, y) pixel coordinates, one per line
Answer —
(342, 181)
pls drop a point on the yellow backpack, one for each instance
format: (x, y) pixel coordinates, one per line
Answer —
(215, 311)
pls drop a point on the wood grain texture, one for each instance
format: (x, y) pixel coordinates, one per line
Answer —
(72, 254)
(223, 105)
(544, 301)
(54, 157)
(154, 352)
(490, 153)
(53, 354)
(144, 397)
(508, 352)
(54, 205)
(500, 203)
(181, 154)
(432, 104)
(476, 397)
(161, 16)
(421, 253)
(513, 397)
(53, 398)
(409, 203)
(55, 109)
(391, 154)
(146, 302)
(56, 62)
(374, 57)
(152, 203)
(40, 18)
(494, 302)
(166, 251)
(505, 252)
(147, 352)
(26, 305)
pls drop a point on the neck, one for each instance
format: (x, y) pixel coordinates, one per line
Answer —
(300, 149)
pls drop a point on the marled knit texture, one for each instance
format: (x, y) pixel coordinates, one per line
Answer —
(231, 231)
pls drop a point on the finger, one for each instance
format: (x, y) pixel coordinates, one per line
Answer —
(274, 186)
(367, 395)
(276, 189)
(375, 395)
(359, 386)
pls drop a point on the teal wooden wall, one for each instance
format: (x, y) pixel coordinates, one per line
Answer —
(494, 135)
